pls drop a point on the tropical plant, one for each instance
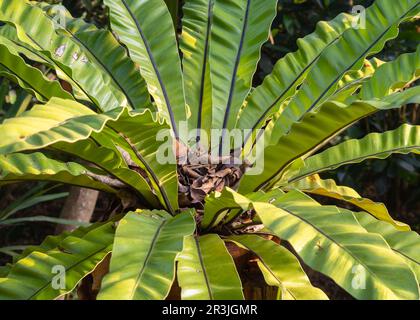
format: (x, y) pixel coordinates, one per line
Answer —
(194, 211)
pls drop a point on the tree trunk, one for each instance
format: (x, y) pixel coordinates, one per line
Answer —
(79, 206)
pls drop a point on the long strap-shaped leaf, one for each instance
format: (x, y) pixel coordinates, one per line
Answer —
(108, 55)
(10, 38)
(109, 151)
(405, 243)
(65, 121)
(217, 205)
(28, 77)
(348, 53)
(143, 259)
(314, 129)
(154, 49)
(36, 166)
(49, 243)
(53, 242)
(141, 134)
(35, 125)
(44, 125)
(392, 76)
(290, 71)
(280, 268)
(335, 244)
(206, 270)
(239, 30)
(112, 163)
(194, 43)
(328, 188)
(224, 207)
(58, 267)
(62, 51)
(403, 140)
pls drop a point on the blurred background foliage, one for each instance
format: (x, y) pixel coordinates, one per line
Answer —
(394, 181)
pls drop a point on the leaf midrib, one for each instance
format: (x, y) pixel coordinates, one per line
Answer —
(387, 152)
(234, 74)
(406, 256)
(155, 68)
(147, 258)
(203, 72)
(201, 260)
(67, 269)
